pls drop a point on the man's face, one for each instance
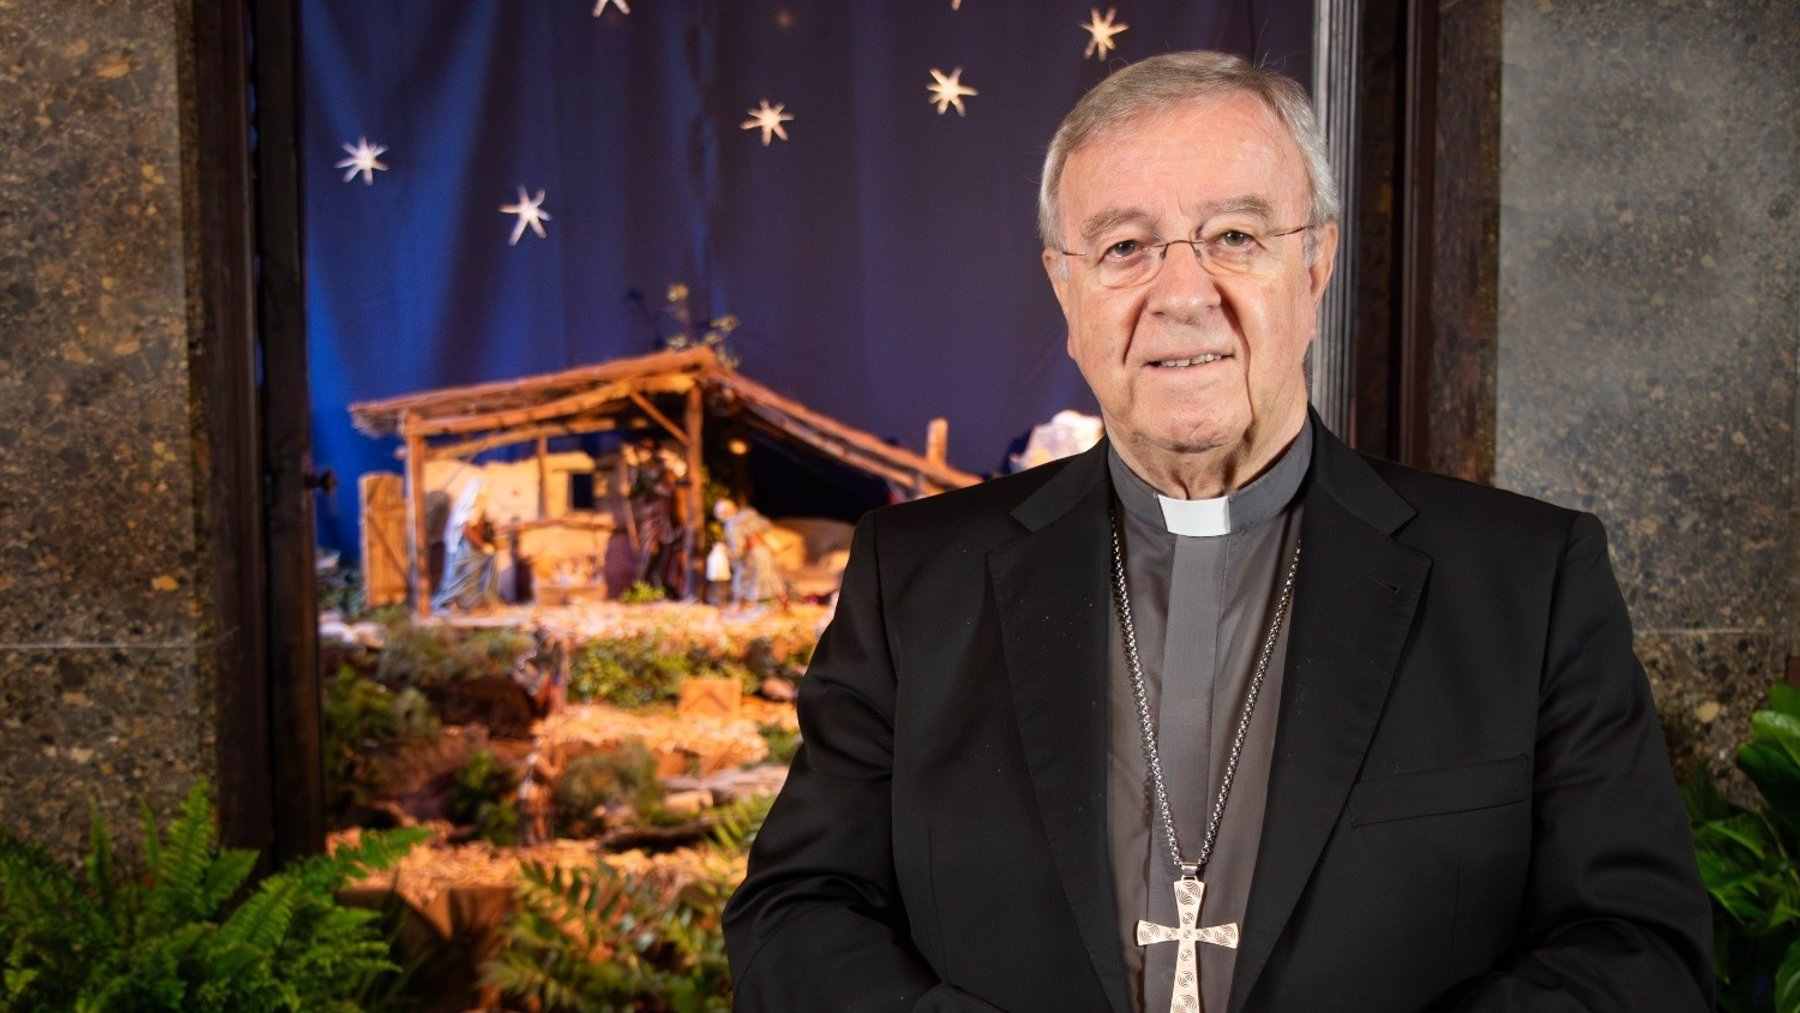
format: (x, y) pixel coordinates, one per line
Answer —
(1178, 174)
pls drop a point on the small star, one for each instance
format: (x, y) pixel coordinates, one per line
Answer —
(362, 159)
(1102, 31)
(949, 91)
(768, 119)
(602, 5)
(529, 214)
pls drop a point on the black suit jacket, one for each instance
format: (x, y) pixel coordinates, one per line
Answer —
(1470, 805)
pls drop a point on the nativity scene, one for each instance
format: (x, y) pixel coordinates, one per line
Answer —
(406, 611)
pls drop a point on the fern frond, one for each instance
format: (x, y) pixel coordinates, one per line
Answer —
(32, 884)
(50, 930)
(176, 896)
(374, 851)
(223, 877)
(575, 902)
(335, 949)
(147, 977)
(99, 941)
(152, 836)
(233, 960)
(735, 825)
(261, 922)
(516, 974)
(99, 863)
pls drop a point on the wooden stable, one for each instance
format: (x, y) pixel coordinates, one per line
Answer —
(461, 422)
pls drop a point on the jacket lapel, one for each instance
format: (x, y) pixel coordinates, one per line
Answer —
(1353, 607)
(1051, 587)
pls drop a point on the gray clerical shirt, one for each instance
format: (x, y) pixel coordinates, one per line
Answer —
(1201, 602)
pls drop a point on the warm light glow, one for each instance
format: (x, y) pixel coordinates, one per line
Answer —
(737, 446)
(948, 90)
(768, 119)
(363, 161)
(1102, 31)
(530, 212)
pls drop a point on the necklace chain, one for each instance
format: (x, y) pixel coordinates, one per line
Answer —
(1122, 596)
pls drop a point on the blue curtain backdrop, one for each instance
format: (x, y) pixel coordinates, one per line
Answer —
(883, 259)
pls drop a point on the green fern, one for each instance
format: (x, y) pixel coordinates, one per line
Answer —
(564, 918)
(102, 941)
(176, 897)
(736, 824)
(50, 934)
(660, 952)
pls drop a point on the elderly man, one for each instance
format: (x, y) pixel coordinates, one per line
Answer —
(1219, 715)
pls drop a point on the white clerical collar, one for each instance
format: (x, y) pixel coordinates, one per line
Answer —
(1248, 507)
(1201, 517)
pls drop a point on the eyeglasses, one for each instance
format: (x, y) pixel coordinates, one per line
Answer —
(1225, 250)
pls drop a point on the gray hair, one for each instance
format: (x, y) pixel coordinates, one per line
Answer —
(1163, 81)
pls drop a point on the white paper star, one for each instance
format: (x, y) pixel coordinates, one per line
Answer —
(600, 8)
(768, 119)
(1102, 31)
(949, 91)
(530, 214)
(362, 159)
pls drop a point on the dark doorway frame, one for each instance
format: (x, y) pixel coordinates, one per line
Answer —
(1426, 234)
(252, 337)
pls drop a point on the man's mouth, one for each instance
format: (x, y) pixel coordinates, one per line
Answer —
(1198, 360)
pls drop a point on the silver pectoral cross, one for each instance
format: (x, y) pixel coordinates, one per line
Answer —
(1185, 997)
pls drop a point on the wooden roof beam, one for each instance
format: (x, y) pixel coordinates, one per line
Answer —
(895, 458)
(573, 404)
(843, 452)
(382, 417)
(469, 448)
(659, 418)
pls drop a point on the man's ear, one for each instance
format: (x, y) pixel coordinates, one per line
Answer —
(1056, 267)
(1324, 260)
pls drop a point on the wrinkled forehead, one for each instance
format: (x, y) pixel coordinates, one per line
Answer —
(1184, 165)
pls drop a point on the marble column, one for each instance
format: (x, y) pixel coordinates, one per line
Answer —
(1649, 318)
(106, 680)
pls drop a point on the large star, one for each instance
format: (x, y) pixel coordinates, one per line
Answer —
(949, 91)
(768, 118)
(1101, 31)
(530, 214)
(362, 160)
(602, 5)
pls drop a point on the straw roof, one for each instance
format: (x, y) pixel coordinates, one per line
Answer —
(584, 399)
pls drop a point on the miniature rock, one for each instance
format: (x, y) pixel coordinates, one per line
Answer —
(687, 803)
(778, 689)
(730, 785)
(712, 698)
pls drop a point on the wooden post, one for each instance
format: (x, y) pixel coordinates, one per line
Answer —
(937, 441)
(418, 538)
(622, 481)
(543, 461)
(696, 524)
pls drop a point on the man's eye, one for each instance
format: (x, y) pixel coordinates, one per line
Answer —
(1236, 239)
(1123, 249)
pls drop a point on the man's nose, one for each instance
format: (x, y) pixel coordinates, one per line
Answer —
(1183, 289)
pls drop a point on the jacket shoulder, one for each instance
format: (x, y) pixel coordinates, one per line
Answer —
(1456, 507)
(982, 511)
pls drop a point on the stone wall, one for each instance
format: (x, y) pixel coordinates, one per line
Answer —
(1649, 317)
(106, 692)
